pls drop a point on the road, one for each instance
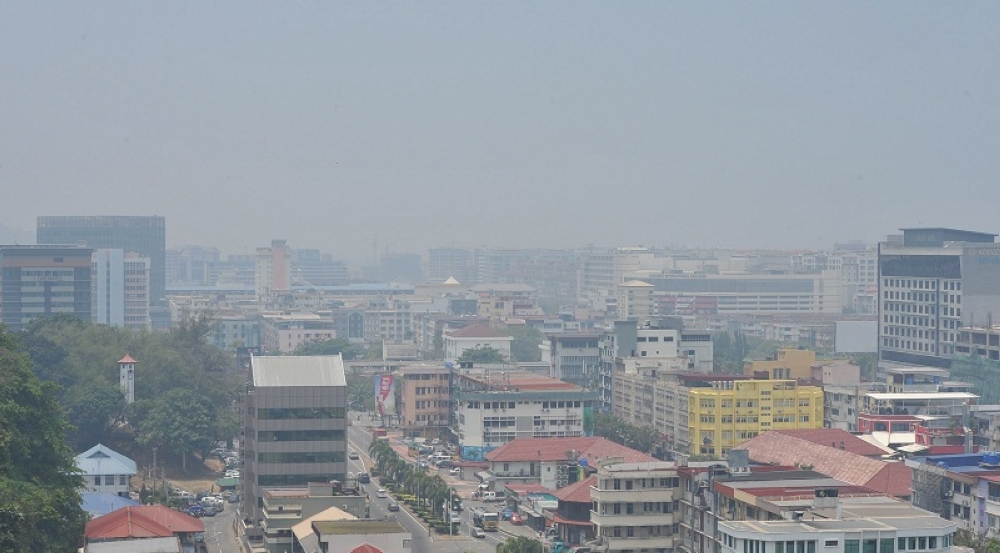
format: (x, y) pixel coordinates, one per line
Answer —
(219, 534)
(360, 439)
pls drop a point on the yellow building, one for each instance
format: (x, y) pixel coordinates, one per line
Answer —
(731, 412)
(791, 363)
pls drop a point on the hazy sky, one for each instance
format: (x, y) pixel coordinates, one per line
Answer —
(557, 124)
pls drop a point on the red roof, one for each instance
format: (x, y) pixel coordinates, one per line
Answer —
(152, 521)
(477, 331)
(577, 492)
(366, 548)
(840, 439)
(127, 359)
(556, 449)
(779, 448)
(568, 521)
(527, 488)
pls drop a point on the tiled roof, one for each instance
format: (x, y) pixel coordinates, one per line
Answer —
(98, 504)
(577, 492)
(477, 331)
(142, 522)
(366, 548)
(840, 439)
(777, 448)
(126, 359)
(101, 459)
(555, 449)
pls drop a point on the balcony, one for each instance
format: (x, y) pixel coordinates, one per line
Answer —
(617, 544)
(634, 519)
(634, 495)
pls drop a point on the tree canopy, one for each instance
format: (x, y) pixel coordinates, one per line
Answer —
(40, 504)
(482, 355)
(82, 358)
(639, 438)
(526, 342)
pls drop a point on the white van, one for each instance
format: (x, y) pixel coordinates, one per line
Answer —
(487, 497)
(438, 457)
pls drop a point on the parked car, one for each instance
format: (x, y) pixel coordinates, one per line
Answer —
(232, 473)
(446, 464)
(234, 497)
(195, 511)
(393, 507)
(422, 464)
(477, 532)
(489, 496)
(381, 494)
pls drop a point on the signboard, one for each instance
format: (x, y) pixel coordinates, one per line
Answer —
(385, 394)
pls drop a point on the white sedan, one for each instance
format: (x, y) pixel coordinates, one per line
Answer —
(455, 471)
(381, 494)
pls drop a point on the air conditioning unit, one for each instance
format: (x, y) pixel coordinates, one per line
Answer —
(965, 502)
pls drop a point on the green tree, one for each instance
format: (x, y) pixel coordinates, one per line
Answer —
(177, 422)
(39, 483)
(520, 544)
(526, 342)
(332, 346)
(482, 355)
(639, 438)
(95, 407)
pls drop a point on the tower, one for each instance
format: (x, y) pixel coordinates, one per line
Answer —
(126, 377)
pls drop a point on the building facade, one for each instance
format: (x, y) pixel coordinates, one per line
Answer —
(36, 281)
(144, 235)
(426, 394)
(636, 507)
(120, 289)
(294, 426)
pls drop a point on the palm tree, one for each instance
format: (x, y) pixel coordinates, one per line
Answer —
(520, 544)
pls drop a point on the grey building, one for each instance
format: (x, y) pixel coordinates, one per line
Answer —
(932, 282)
(145, 235)
(295, 426)
(36, 281)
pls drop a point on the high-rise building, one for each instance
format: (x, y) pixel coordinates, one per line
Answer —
(272, 269)
(295, 425)
(933, 281)
(144, 235)
(445, 263)
(120, 289)
(36, 281)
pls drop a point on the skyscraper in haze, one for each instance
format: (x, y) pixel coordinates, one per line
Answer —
(144, 235)
(36, 281)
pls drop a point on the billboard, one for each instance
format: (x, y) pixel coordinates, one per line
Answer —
(385, 394)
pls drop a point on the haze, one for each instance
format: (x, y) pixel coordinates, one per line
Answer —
(555, 124)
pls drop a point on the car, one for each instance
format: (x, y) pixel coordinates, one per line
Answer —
(477, 532)
(488, 497)
(446, 464)
(455, 471)
(393, 507)
(515, 518)
(195, 511)
(422, 464)
(364, 478)
(232, 474)
(381, 494)
(353, 455)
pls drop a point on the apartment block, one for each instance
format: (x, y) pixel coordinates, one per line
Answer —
(636, 506)
(426, 393)
(120, 289)
(283, 333)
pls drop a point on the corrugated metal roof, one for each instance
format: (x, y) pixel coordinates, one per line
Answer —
(291, 371)
(102, 460)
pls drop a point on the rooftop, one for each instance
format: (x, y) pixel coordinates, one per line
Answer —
(293, 371)
(577, 492)
(840, 439)
(591, 449)
(142, 522)
(362, 527)
(477, 331)
(921, 395)
(101, 459)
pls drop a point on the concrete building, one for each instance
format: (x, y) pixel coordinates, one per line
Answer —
(575, 356)
(636, 506)
(932, 282)
(284, 509)
(354, 536)
(499, 301)
(554, 462)
(835, 525)
(120, 289)
(283, 333)
(977, 360)
(426, 395)
(493, 407)
(36, 281)
(739, 294)
(144, 235)
(964, 488)
(635, 300)
(294, 426)
(455, 263)
(730, 412)
(273, 269)
(788, 363)
(231, 332)
(105, 470)
(456, 342)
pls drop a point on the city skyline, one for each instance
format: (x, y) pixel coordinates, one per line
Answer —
(356, 128)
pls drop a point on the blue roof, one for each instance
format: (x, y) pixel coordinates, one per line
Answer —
(100, 504)
(102, 460)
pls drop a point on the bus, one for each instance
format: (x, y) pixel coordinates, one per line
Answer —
(487, 520)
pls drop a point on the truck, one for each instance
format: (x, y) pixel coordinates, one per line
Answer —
(487, 520)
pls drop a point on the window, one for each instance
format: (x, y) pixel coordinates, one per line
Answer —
(885, 545)
(123, 480)
(852, 546)
(870, 546)
(97, 480)
(922, 542)
(109, 480)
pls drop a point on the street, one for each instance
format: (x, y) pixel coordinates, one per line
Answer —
(219, 534)
(360, 439)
